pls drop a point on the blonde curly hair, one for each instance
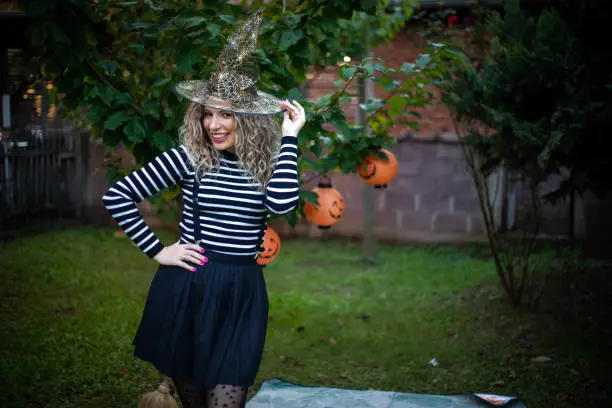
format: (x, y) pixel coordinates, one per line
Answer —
(257, 144)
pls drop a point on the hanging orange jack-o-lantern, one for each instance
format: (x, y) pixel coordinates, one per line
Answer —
(270, 247)
(378, 172)
(330, 206)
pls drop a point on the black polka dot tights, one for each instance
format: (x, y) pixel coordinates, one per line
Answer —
(222, 396)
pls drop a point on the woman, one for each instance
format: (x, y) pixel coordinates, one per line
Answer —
(205, 318)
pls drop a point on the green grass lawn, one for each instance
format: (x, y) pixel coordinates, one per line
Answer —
(71, 301)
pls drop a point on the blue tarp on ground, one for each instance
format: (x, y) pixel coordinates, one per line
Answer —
(277, 393)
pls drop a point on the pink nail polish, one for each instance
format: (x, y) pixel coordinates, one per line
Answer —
(205, 259)
(202, 263)
(194, 269)
(203, 250)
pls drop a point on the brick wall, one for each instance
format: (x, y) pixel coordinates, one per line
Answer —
(405, 47)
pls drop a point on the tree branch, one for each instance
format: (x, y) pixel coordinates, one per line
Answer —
(498, 251)
(104, 79)
(314, 176)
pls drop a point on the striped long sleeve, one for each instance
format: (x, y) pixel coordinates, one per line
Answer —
(166, 170)
(282, 190)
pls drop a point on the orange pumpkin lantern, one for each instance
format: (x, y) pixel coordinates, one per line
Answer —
(378, 172)
(330, 208)
(270, 247)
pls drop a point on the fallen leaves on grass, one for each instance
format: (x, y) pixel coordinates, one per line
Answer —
(541, 359)
(65, 311)
(290, 359)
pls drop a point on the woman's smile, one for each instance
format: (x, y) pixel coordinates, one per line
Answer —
(220, 126)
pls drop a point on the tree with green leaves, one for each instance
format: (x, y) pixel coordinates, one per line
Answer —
(538, 103)
(114, 63)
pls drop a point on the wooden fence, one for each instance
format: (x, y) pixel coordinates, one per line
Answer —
(42, 180)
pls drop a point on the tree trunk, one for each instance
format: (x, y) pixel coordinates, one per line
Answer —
(366, 91)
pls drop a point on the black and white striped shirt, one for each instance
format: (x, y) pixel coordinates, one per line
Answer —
(232, 210)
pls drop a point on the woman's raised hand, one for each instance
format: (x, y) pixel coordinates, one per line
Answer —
(295, 118)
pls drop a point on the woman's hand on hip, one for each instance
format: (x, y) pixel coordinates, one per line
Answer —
(295, 118)
(183, 255)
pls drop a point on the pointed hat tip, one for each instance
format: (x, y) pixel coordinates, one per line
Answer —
(257, 16)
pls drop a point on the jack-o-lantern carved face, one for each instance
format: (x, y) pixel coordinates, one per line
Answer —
(378, 172)
(369, 171)
(336, 210)
(330, 208)
(271, 247)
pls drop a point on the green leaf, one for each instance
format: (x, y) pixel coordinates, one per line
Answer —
(111, 138)
(134, 130)
(214, 29)
(346, 72)
(369, 6)
(109, 66)
(309, 196)
(454, 54)
(330, 163)
(397, 104)
(308, 163)
(414, 125)
(106, 94)
(39, 35)
(388, 83)
(348, 165)
(162, 82)
(374, 104)
(295, 94)
(196, 34)
(289, 38)
(342, 128)
(122, 99)
(316, 148)
(152, 108)
(116, 119)
(193, 21)
(187, 60)
(162, 140)
(229, 19)
(302, 49)
(93, 92)
(138, 47)
(292, 218)
(58, 34)
(369, 68)
(379, 67)
(323, 101)
(94, 113)
(415, 114)
(408, 67)
(423, 61)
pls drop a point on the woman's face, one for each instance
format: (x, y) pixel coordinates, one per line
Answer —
(220, 127)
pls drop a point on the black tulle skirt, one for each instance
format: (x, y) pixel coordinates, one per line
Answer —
(206, 327)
